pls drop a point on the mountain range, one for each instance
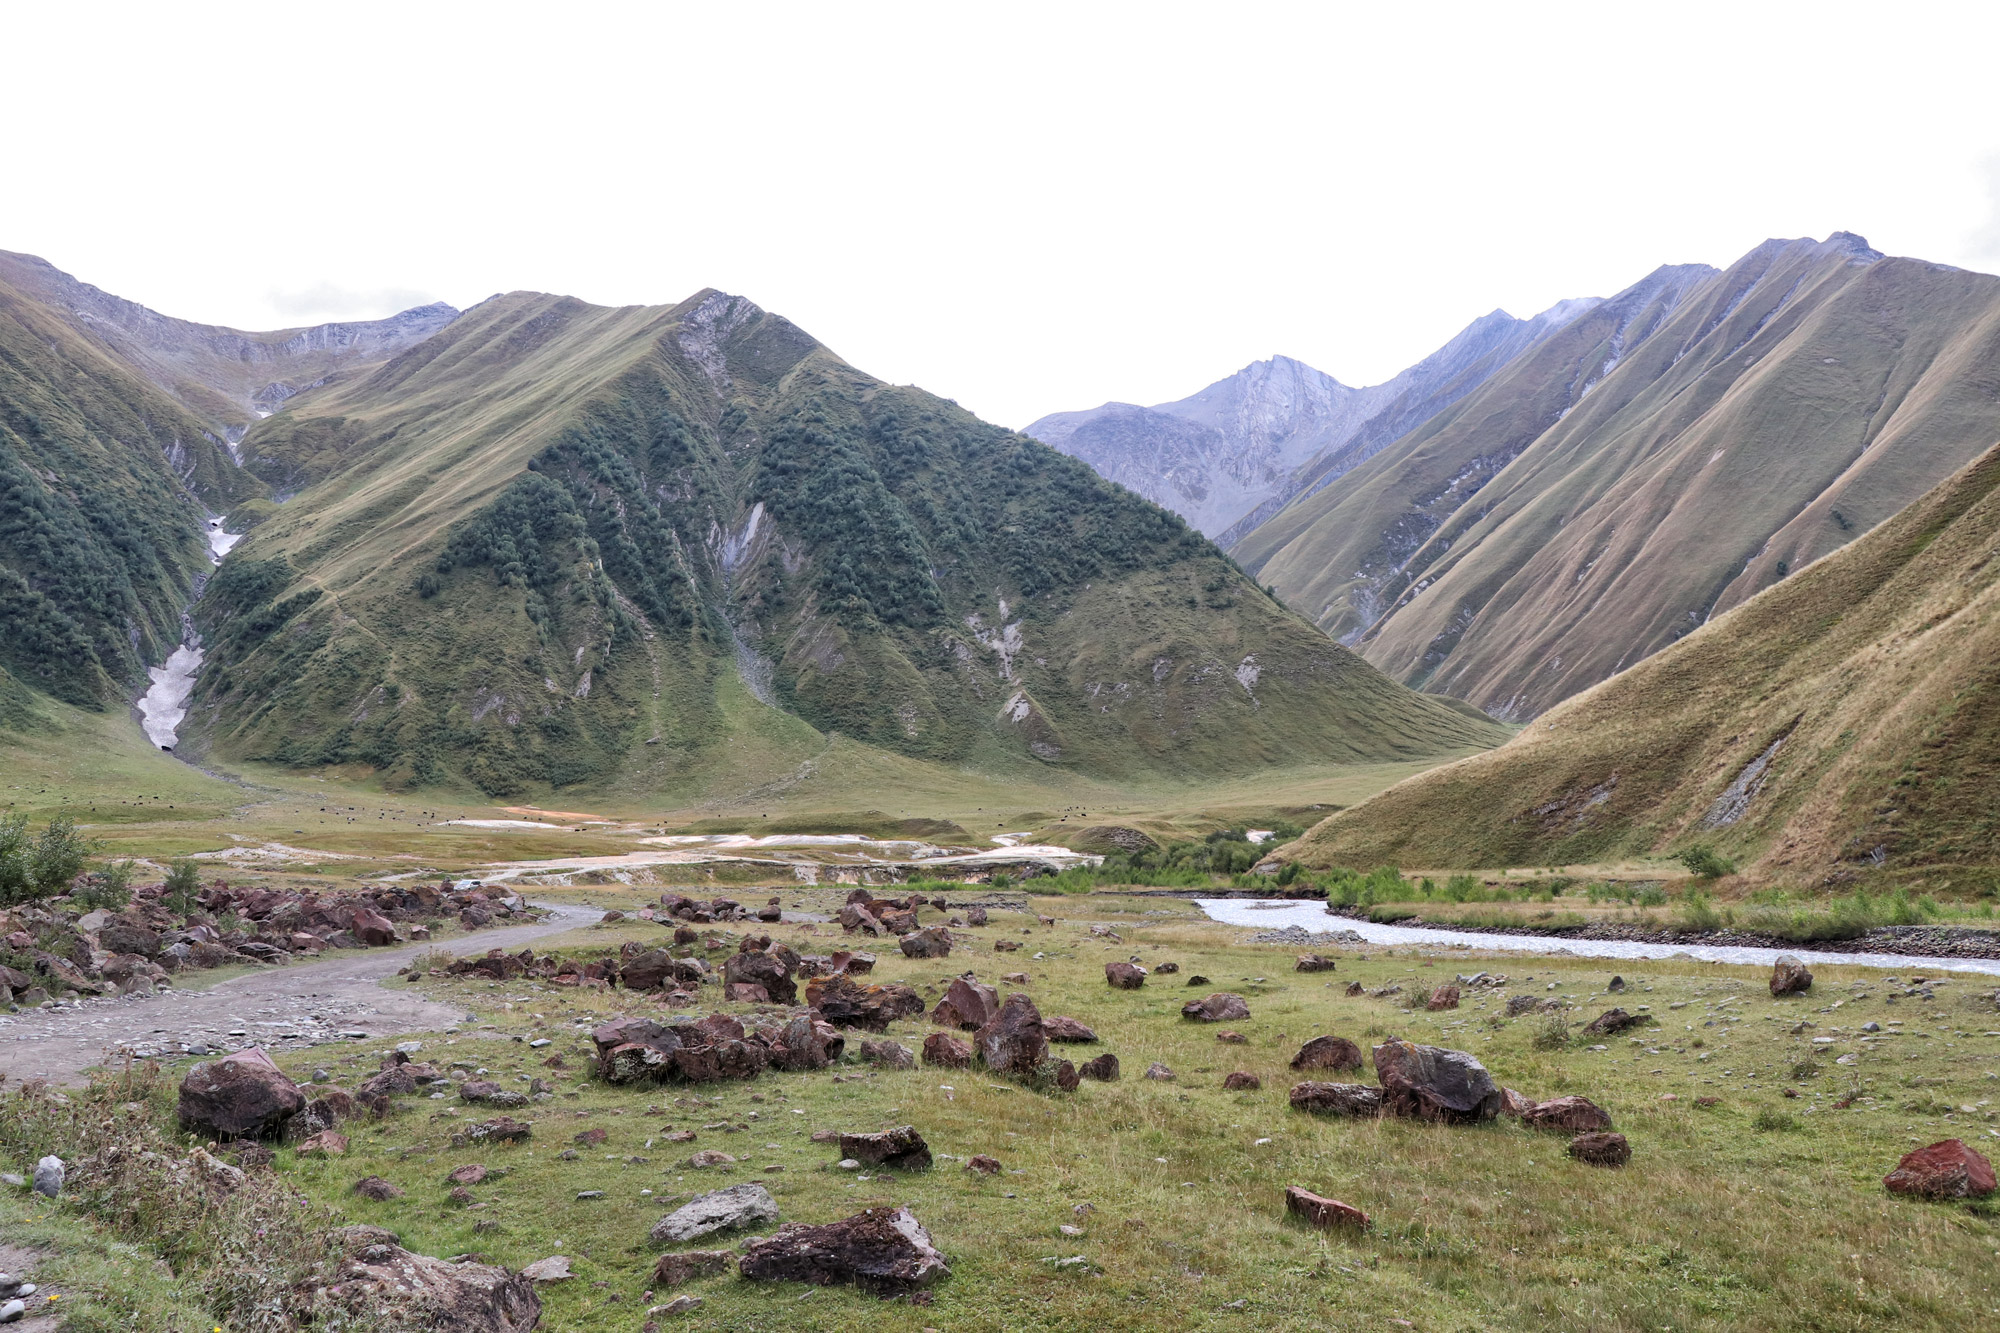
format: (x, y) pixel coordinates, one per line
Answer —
(543, 543)
(1842, 721)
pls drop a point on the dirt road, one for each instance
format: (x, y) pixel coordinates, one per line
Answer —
(285, 1008)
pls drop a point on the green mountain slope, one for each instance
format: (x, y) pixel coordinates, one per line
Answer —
(101, 531)
(557, 543)
(1844, 720)
(1659, 460)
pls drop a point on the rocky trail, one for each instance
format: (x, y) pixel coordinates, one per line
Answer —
(284, 1008)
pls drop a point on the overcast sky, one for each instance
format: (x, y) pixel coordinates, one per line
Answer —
(1026, 208)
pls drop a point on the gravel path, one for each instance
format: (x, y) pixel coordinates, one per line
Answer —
(284, 1008)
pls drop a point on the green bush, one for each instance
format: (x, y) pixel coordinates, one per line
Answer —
(32, 871)
(182, 885)
(109, 889)
(1699, 913)
(1704, 862)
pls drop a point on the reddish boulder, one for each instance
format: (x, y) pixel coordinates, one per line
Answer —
(382, 1279)
(1515, 1105)
(761, 969)
(1067, 1077)
(240, 1096)
(982, 1165)
(1789, 976)
(883, 1251)
(899, 1149)
(1013, 1042)
(1241, 1080)
(1444, 997)
(326, 1143)
(1612, 1022)
(1601, 1149)
(1217, 1008)
(887, 1055)
(674, 1269)
(931, 942)
(967, 1004)
(1328, 1053)
(1104, 1068)
(1312, 962)
(1125, 976)
(372, 928)
(1319, 1211)
(946, 1051)
(1433, 1083)
(1359, 1100)
(1572, 1115)
(1947, 1170)
(1066, 1029)
(376, 1188)
(848, 1003)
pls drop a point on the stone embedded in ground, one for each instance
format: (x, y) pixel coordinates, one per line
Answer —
(982, 1165)
(1015, 979)
(845, 1002)
(975, 916)
(730, 1209)
(743, 992)
(1612, 1022)
(1572, 1115)
(499, 1130)
(472, 1173)
(708, 1157)
(1328, 1053)
(1064, 1029)
(1444, 997)
(1067, 1079)
(484, 1092)
(1218, 1008)
(1103, 1068)
(887, 1055)
(1013, 1041)
(1232, 1036)
(1601, 1149)
(1790, 976)
(899, 1149)
(946, 1051)
(1361, 1100)
(1946, 1170)
(381, 1279)
(1517, 1104)
(973, 1002)
(688, 1265)
(1312, 962)
(240, 1096)
(1320, 1211)
(1241, 1080)
(1125, 976)
(555, 1268)
(1199, 980)
(249, 1153)
(1434, 1083)
(376, 1188)
(882, 1251)
(49, 1177)
(931, 942)
(1159, 1072)
(326, 1143)
(758, 968)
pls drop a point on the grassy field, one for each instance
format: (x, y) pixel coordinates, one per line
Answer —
(1763, 1210)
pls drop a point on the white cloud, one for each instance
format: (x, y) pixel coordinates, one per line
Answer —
(328, 301)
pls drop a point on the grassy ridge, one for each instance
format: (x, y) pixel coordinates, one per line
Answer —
(1863, 682)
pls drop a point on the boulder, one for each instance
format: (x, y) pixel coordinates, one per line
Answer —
(883, 1251)
(971, 1004)
(888, 1055)
(687, 1265)
(1359, 1100)
(372, 928)
(484, 1092)
(931, 942)
(1600, 1149)
(731, 1209)
(1067, 1078)
(762, 969)
(119, 937)
(555, 1268)
(1789, 976)
(1125, 976)
(1066, 1030)
(1514, 1104)
(1947, 1170)
(499, 1130)
(647, 971)
(1319, 1211)
(982, 1165)
(1612, 1022)
(745, 992)
(1013, 1042)
(975, 916)
(376, 1188)
(900, 1149)
(1444, 997)
(243, 1095)
(1158, 1072)
(48, 1181)
(1433, 1083)
(845, 1002)
(1241, 1080)
(381, 1278)
(472, 1173)
(1104, 1068)
(1217, 1008)
(326, 1143)
(1572, 1115)
(1328, 1053)
(1522, 1004)
(946, 1051)
(1312, 962)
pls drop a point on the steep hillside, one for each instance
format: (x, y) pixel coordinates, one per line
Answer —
(225, 377)
(1236, 451)
(103, 480)
(1845, 719)
(557, 543)
(1665, 457)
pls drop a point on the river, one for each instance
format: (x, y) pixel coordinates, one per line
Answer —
(1273, 913)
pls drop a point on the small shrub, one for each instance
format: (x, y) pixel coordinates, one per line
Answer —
(1651, 896)
(1553, 1035)
(182, 885)
(1704, 862)
(1769, 1121)
(1805, 1068)
(109, 889)
(1698, 913)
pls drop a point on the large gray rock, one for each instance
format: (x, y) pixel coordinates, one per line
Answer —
(1433, 1083)
(884, 1251)
(382, 1278)
(730, 1209)
(49, 1177)
(239, 1096)
(1360, 1100)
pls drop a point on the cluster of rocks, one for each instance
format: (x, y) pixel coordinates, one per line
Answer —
(680, 907)
(760, 972)
(885, 1251)
(1009, 1037)
(712, 1049)
(57, 951)
(1448, 1087)
(896, 916)
(379, 1277)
